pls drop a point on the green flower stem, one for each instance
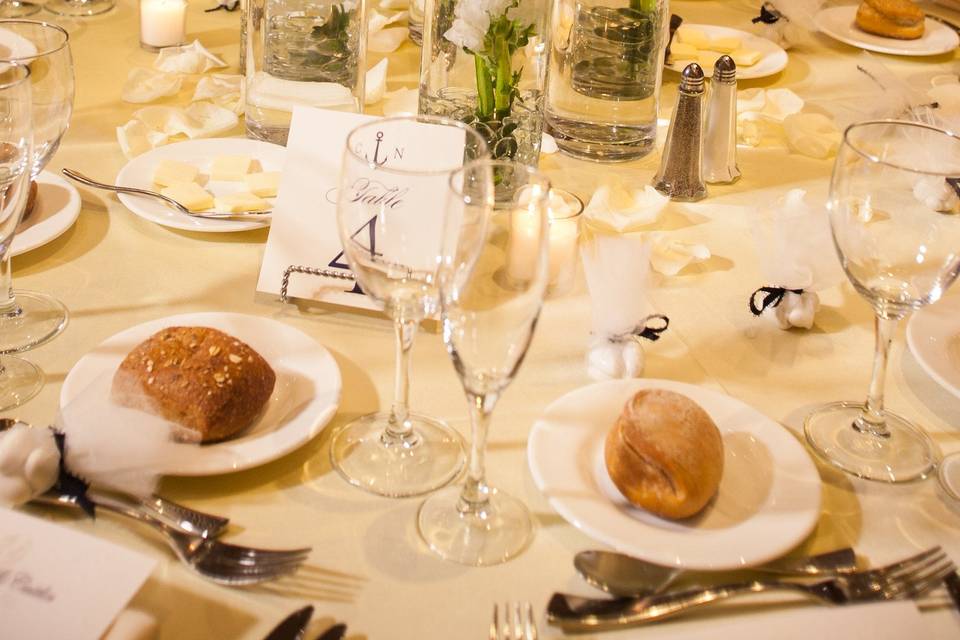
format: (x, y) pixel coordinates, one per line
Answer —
(485, 93)
(504, 90)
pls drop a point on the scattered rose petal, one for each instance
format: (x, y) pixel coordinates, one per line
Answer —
(615, 208)
(189, 58)
(146, 85)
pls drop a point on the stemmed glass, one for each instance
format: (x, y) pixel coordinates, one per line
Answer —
(18, 8)
(79, 8)
(894, 212)
(391, 214)
(28, 318)
(493, 277)
(19, 379)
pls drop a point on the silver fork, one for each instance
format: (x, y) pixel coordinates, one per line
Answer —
(220, 562)
(907, 578)
(214, 215)
(514, 622)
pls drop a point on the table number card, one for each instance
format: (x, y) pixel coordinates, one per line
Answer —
(304, 229)
(57, 583)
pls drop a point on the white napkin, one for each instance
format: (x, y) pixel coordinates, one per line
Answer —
(375, 85)
(29, 463)
(669, 257)
(811, 134)
(189, 58)
(222, 89)
(146, 85)
(133, 624)
(402, 102)
(380, 39)
(614, 207)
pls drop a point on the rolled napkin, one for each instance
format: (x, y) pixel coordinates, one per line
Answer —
(189, 58)
(146, 85)
(619, 209)
(796, 260)
(222, 89)
(29, 463)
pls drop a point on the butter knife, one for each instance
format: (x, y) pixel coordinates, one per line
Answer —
(293, 626)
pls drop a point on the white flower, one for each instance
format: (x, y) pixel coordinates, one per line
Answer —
(29, 463)
(472, 20)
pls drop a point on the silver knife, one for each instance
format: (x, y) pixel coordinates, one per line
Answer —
(293, 626)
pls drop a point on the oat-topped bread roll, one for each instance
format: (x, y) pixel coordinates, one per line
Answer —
(665, 454)
(202, 379)
(891, 18)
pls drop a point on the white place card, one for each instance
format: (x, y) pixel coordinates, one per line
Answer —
(58, 583)
(304, 228)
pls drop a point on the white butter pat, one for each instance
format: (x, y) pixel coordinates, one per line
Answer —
(692, 36)
(170, 172)
(189, 194)
(746, 57)
(230, 167)
(683, 51)
(263, 184)
(240, 202)
(725, 44)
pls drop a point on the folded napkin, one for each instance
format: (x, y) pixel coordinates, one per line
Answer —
(619, 209)
(381, 39)
(223, 90)
(146, 85)
(189, 58)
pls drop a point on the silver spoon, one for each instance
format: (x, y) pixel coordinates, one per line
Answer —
(214, 215)
(625, 576)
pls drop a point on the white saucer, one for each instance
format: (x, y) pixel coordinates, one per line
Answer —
(933, 335)
(139, 173)
(57, 208)
(774, 58)
(305, 397)
(839, 23)
(768, 501)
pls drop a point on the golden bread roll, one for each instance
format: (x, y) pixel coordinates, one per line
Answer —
(665, 454)
(209, 383)
(900, 19)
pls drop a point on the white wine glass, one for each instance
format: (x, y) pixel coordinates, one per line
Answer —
(894, 213)
(18, 8)
(391, 215)
(493, 278)
(30, 318)
(79, 8)
(19, 380)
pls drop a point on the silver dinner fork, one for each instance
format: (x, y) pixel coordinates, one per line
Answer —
(514, 622)
(213, 215)
(217, 561)
(907, 578)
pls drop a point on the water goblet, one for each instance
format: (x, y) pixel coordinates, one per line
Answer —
(28, 318)
(391, 214)
(490, 302)
(18, 8)
(79, 8)
(894, 212)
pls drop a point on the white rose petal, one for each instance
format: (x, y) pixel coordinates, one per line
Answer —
(811, 134)
(147, 85)
(190, 58)
(376, 83)
(670, 257)
(615, 208)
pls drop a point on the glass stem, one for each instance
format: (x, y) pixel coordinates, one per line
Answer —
(8, 303)
(399, 430)
(476, 493)
(871, 420)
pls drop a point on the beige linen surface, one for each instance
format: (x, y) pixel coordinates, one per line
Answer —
(114, 270)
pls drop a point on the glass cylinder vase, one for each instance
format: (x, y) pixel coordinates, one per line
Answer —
(605, 73)
(485, 62)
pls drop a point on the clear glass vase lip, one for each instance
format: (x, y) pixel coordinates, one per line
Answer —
(909, 123)
(481, 145)
(38, 54)
(25, 76)
(534, 172)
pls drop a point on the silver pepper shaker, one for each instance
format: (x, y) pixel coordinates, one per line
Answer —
(680, 176)
(720, 137)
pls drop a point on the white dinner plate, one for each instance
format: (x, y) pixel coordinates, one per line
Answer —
(774, 58)
(305, 397)
(768, 500)
(840, 24)
(933, 335)
(139, 173)
(57, 208)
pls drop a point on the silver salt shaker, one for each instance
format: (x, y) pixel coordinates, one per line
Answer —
(680, 176)
(720, 136)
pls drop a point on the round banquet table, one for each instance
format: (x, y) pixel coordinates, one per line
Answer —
(115, 270)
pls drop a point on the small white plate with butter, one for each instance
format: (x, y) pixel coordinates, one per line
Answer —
(704, 43)
(203, 154)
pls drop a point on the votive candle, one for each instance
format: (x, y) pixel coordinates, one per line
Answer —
(564, 233)
(163, 23)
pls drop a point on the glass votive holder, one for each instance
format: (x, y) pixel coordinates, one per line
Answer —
(163, 23)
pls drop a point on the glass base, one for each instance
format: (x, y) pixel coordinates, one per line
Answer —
(78, 7)
(431, 458)
(499, 531)
(37, 320)
(906, 454)
(602, 142)
(17, 9)
(19, 381)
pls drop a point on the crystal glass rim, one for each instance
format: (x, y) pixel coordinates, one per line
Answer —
(534, 172)
(24, 69)
(872, 158)
(39, 54)
(576, 212)
(468, 131)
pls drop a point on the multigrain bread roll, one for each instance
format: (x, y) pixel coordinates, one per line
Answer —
(665, 454)
(207, 382)
(891, 18)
